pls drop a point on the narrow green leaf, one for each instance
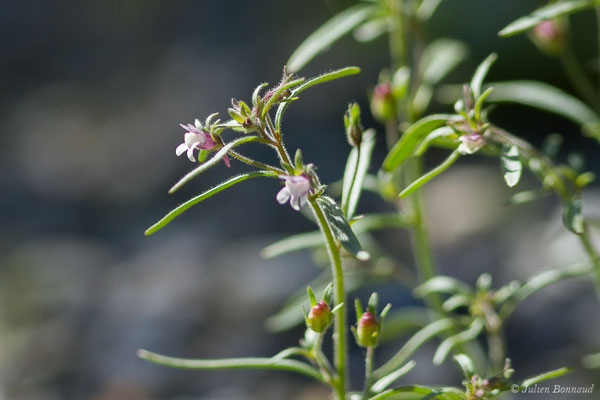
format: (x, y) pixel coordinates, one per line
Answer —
(212, 162)
(480, 74)
(540, 281)
(549, 11)
(402, 321)
(340, 227)
(572, 215)
(326, 77)
(440, 57)
(456, 301)
(479, 102)
(466, 365)
(233, 363)
(447, 345)
(442, 132)
(548, 98)
(275, 97)
(371, 29)
(195, 200)
(357, 165)
(431, 174)
(511, 165)
(387, 380)
(416, 341)
(293, 243)
(256, 92)
(329, 33)
(308, 240)
(411, 138)
(443, 284)
(545, 376)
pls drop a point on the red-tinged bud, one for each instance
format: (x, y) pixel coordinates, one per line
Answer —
(367, 332)
(319, 318)
(550, 36)
(383, 103)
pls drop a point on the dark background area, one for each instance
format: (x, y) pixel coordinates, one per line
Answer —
(91, 96)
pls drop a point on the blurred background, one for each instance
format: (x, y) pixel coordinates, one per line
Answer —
(92, 93)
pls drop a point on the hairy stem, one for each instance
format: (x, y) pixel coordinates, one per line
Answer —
(339, 334)
(368, 371)
(255, 163)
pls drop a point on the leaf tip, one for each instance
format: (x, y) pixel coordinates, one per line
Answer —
(363, 255)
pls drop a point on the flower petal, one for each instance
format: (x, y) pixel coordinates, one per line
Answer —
(283, 195)
(295, 203)
(226, 161)
(190, 154)
(181, 149)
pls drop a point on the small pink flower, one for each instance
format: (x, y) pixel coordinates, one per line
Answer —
(470, 143)
(296, 190)
(194, 139)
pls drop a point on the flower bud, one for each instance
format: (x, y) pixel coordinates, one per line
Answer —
(383, 104)
(354, 131)
(319, 318)
(550, 36)
(470, 143)
(367, 332)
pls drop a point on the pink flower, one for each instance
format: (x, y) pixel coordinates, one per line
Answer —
(470, 143)
(296, 190)
(194, 139)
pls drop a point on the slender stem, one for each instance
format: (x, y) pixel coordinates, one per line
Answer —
(368, 371)
(339, 335)
(254, 163)
(420, 239)
(283, 154)
(232, 363)
(578, 78)
(496, 349)
(397, 38)
(592, 254)
(321, 360)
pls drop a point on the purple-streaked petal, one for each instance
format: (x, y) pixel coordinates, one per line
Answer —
(190, 154)
(295, 203)
(283, 195)
(182, 148)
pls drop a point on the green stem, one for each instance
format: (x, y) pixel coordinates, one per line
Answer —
(398, 51)
(254, 163)
(339, 335)
(496, 350)
(232, 363)
(321, 360)
(420, 239)
(578, 78)
(368, 371)
(592, 254)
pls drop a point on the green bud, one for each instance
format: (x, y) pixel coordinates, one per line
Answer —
(367, 332)
(383, 103)
(354, 131)
(319, 318)
(550, 36)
